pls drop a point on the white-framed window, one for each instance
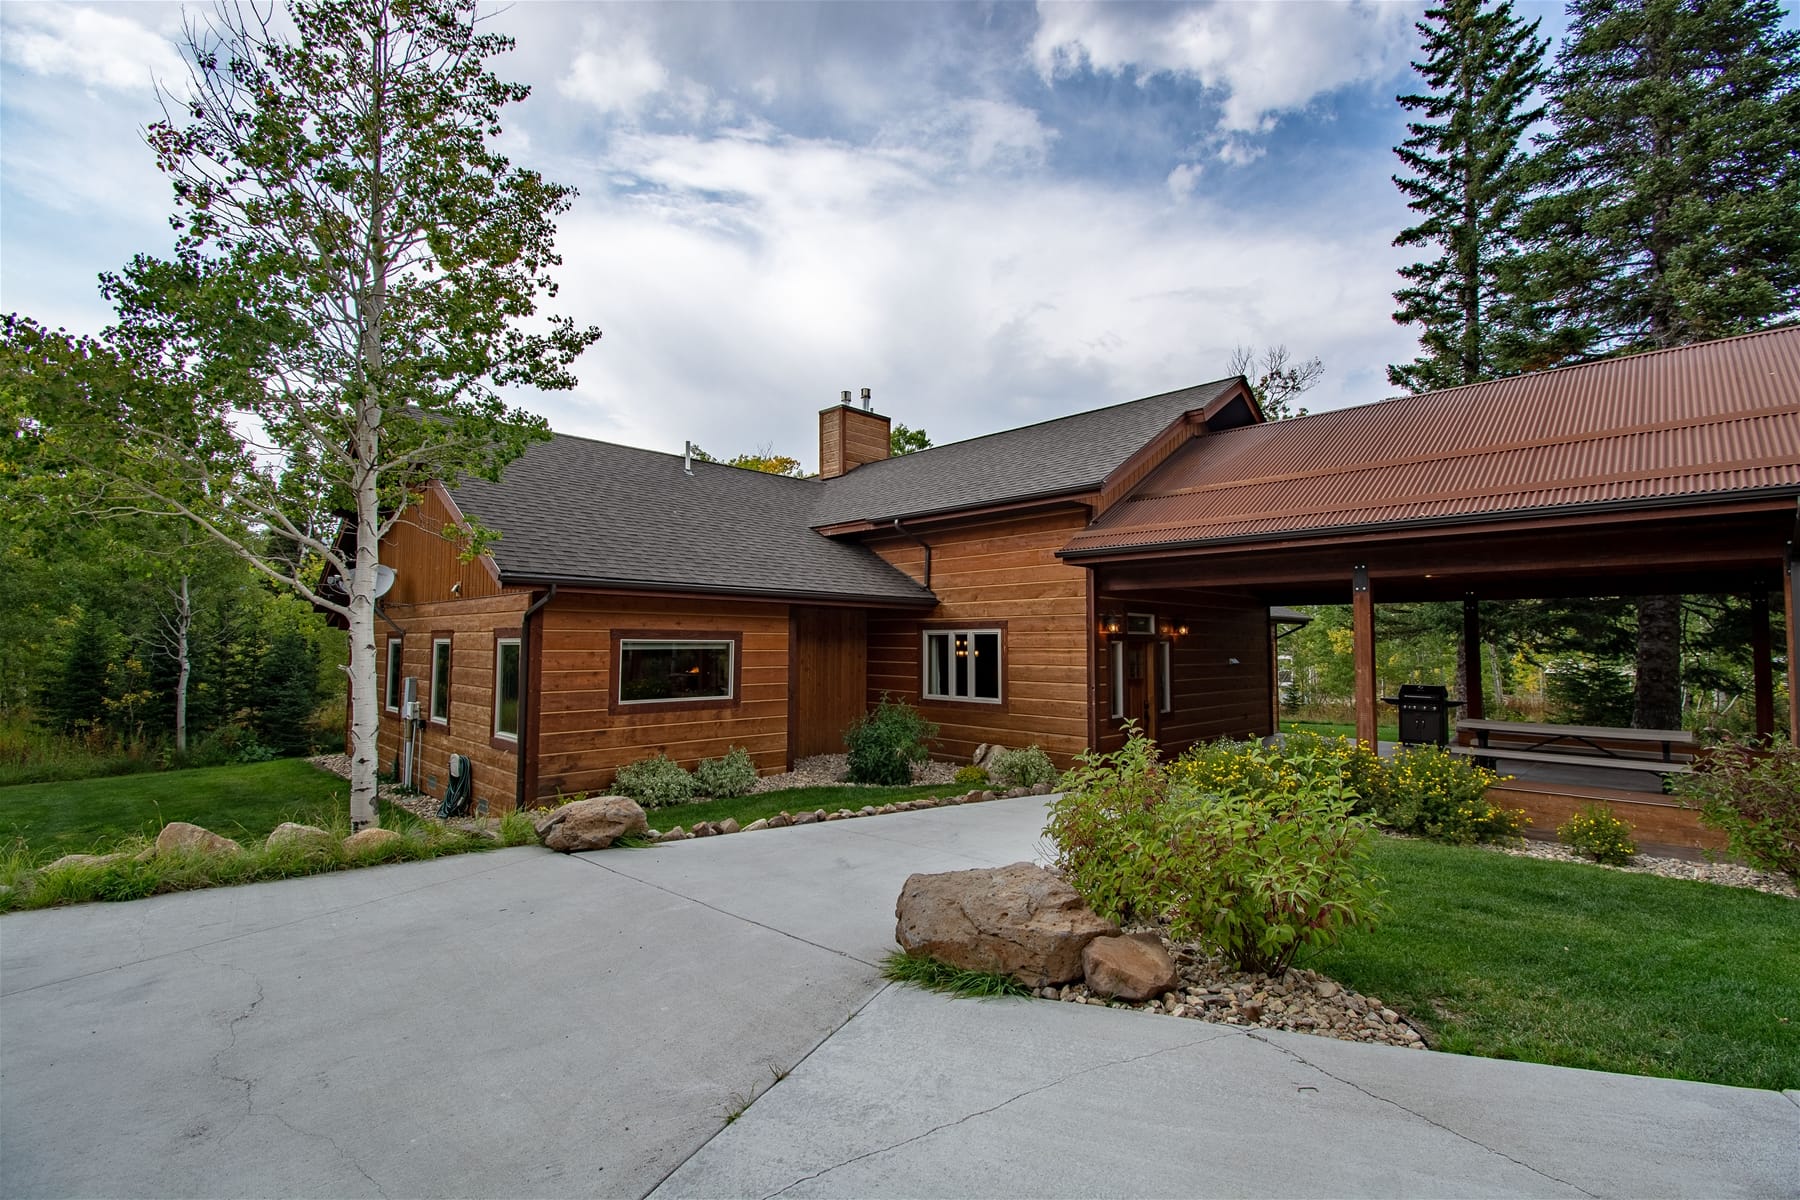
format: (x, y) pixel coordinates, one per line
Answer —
(506, 688)
(653, 671)
(1117, 651)
(963, 664)
(1165, 689)
(396, 664)
(440, 681)
(1143, 624)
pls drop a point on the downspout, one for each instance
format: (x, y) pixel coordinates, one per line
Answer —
(525, 693)
(392, 624)
(903, 531)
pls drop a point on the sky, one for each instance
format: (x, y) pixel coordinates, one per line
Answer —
(988, 214)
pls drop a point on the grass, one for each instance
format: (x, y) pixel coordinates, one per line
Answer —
(942, 977)
(1579, 966)
(746, 809)
(1385, 733)
(241, 802)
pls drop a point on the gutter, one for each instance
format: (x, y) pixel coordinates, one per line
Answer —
(688, 589)
(525, 692)
(903, 531)
(1326, 532)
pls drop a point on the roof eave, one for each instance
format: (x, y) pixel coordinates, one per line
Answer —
(873, 599)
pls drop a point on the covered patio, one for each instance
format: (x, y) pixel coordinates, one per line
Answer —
(1670, 473)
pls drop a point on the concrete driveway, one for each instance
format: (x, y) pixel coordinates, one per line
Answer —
(523, 1023)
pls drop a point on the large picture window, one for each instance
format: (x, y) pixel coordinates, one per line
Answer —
(440, 680)
(658, 670)
(962, 664)
(506, 689)
(396, 663)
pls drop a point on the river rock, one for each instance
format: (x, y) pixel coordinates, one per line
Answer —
(1129, 968)
(1018, 920)
(179, 835)
(592, 824)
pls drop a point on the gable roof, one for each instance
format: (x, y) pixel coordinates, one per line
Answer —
(572, 510)
(1717, 420)
(1063, 456)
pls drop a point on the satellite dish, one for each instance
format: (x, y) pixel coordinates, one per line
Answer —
(384, 580)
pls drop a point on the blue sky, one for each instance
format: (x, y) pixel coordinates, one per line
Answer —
(989, 214)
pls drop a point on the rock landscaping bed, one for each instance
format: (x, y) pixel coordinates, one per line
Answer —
(1725, 874)
(829, 770)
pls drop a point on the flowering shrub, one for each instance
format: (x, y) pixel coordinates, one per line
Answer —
(1599, 835)
(727, 777)
(655, 782)
(1026, 767)
(1250, 850)
(1428, 791)
(1752, 796)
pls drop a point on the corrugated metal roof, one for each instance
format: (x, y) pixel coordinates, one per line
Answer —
(1708, 420)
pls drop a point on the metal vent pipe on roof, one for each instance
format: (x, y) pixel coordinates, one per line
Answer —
(844, 396)
(868, 404)
(687, 457)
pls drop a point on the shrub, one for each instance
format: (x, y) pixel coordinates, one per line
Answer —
(1427, 791)
(1252, 851)
(1024, 768)
(1752, 796)
(972, 776)
(654, 782)
(1597, 834)
(726, 778)
(886, 741)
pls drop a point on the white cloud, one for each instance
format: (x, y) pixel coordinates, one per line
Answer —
(614, 72)
(97, 49)
(1182, 180)
(1264, 57)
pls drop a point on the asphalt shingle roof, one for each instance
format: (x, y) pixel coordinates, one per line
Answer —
(573, 510)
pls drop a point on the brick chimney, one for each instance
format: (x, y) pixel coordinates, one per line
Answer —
(850, 437)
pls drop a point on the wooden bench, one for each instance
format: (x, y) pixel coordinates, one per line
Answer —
(1561, 759)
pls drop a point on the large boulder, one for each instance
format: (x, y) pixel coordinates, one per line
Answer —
(371, 839)
(1019, 920)
(180, 836)
(290, 834)
(592, 824)
(1130, 968)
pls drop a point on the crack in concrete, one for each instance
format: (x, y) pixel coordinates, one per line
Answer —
(725, 912)
(1043, 1087)
(250, 1082)
(1436, 1124)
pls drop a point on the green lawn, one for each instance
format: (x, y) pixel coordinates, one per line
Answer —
(1385, 733)
(240, 802)
(1578, 966)
(752, 808)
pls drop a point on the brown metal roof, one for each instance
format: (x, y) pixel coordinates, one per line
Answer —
(1709, 422)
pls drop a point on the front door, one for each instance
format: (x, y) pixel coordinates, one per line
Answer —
(1141, 689)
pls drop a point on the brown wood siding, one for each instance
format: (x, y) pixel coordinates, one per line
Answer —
(830, 677)
(426, 565)
(850, 437)
(1212, 697)
(999, 572)
(471, 625)
(581, 744)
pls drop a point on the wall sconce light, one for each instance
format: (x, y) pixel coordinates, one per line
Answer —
(1181, 629)
(1113, 623)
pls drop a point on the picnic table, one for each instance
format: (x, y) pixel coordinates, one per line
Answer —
(1662, 751)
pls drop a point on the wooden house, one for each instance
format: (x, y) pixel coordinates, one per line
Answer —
(1046, 584)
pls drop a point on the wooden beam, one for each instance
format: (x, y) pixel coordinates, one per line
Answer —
(1471, 680)
(1762, 664)
(1362, 646)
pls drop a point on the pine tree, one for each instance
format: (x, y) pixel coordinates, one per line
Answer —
(1467, 182)
(1669, 210)
(1670, 206)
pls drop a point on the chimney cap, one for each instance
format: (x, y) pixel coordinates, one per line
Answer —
(844, 397)
(868, 403)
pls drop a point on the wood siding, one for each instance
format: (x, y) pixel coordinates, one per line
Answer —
(426, 565)
(829, 677)
(1212, 697)
(1005, 572)
(579, 744)
(471, 625)
(849, 438)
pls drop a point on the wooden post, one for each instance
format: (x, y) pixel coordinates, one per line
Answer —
(1791, 590)
(1362, 646)
(1762, 664)
(1471, 680)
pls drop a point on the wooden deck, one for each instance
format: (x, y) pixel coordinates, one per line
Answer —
(1654, 818)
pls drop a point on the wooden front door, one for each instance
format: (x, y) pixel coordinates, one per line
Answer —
(828, 681)
(1141, 690)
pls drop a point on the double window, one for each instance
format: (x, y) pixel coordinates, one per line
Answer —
(440, 680)
(656, 670)
(506, 688)
(963, 664)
